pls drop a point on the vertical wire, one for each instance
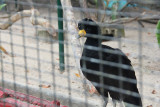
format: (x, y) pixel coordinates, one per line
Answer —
(83, 66)
(25, 56)
(81, 17)
(68, 69)
(26, 66)
(13, 62)
(100, 50)
(69, 75)
(120, 62)
(120, 58)
(2, 69)
(114, 16)
(140, 59)
(52, 60)
(85, 81)
(38, 62)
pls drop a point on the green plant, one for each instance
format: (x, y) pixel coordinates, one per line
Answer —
(2, 5)
(158, 33)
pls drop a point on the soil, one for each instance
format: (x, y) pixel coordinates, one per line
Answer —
(36, 62)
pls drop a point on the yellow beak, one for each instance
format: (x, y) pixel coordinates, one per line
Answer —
(82, 33)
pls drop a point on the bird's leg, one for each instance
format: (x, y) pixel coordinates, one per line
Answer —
(105, 102)
(121, 104)
(114, 102)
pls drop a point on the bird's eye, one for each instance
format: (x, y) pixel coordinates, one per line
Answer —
(87, 28)
(79, 27)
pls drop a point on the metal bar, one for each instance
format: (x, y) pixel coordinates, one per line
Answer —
(158, 33)
(32, 64)
(60, 35)
(16, 5)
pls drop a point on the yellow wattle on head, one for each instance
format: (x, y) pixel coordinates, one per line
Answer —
(82, 33)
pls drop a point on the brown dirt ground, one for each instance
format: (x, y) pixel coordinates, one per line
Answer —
(39, 57)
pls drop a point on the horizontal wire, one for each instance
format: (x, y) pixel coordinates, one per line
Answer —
(68, 55)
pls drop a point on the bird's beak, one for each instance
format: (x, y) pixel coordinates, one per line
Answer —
(81, 33)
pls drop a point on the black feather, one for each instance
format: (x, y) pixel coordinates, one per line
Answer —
(115, 63)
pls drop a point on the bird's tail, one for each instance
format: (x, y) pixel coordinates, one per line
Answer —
(133, 101)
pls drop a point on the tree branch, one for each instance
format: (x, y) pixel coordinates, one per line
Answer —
(34, 18)
(75, 43)
(16, 17)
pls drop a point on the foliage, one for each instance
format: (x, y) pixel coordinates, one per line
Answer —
(2, 5)
(158, 33)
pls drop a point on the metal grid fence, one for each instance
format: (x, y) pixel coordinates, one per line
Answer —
(31, 53)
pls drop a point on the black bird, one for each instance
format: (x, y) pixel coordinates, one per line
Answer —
(107, 68)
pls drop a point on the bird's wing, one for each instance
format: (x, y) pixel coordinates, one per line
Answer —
(114, 57)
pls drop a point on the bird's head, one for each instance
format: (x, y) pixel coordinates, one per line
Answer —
(87, 26)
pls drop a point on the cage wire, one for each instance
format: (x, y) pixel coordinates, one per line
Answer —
(41, 60)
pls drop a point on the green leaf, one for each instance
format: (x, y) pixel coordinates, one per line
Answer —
(1, 6)
(158, 33)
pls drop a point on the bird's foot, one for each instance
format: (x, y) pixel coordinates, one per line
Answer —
(114, 102)
(93, 90)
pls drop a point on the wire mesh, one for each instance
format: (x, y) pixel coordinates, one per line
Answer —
(29, 51)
